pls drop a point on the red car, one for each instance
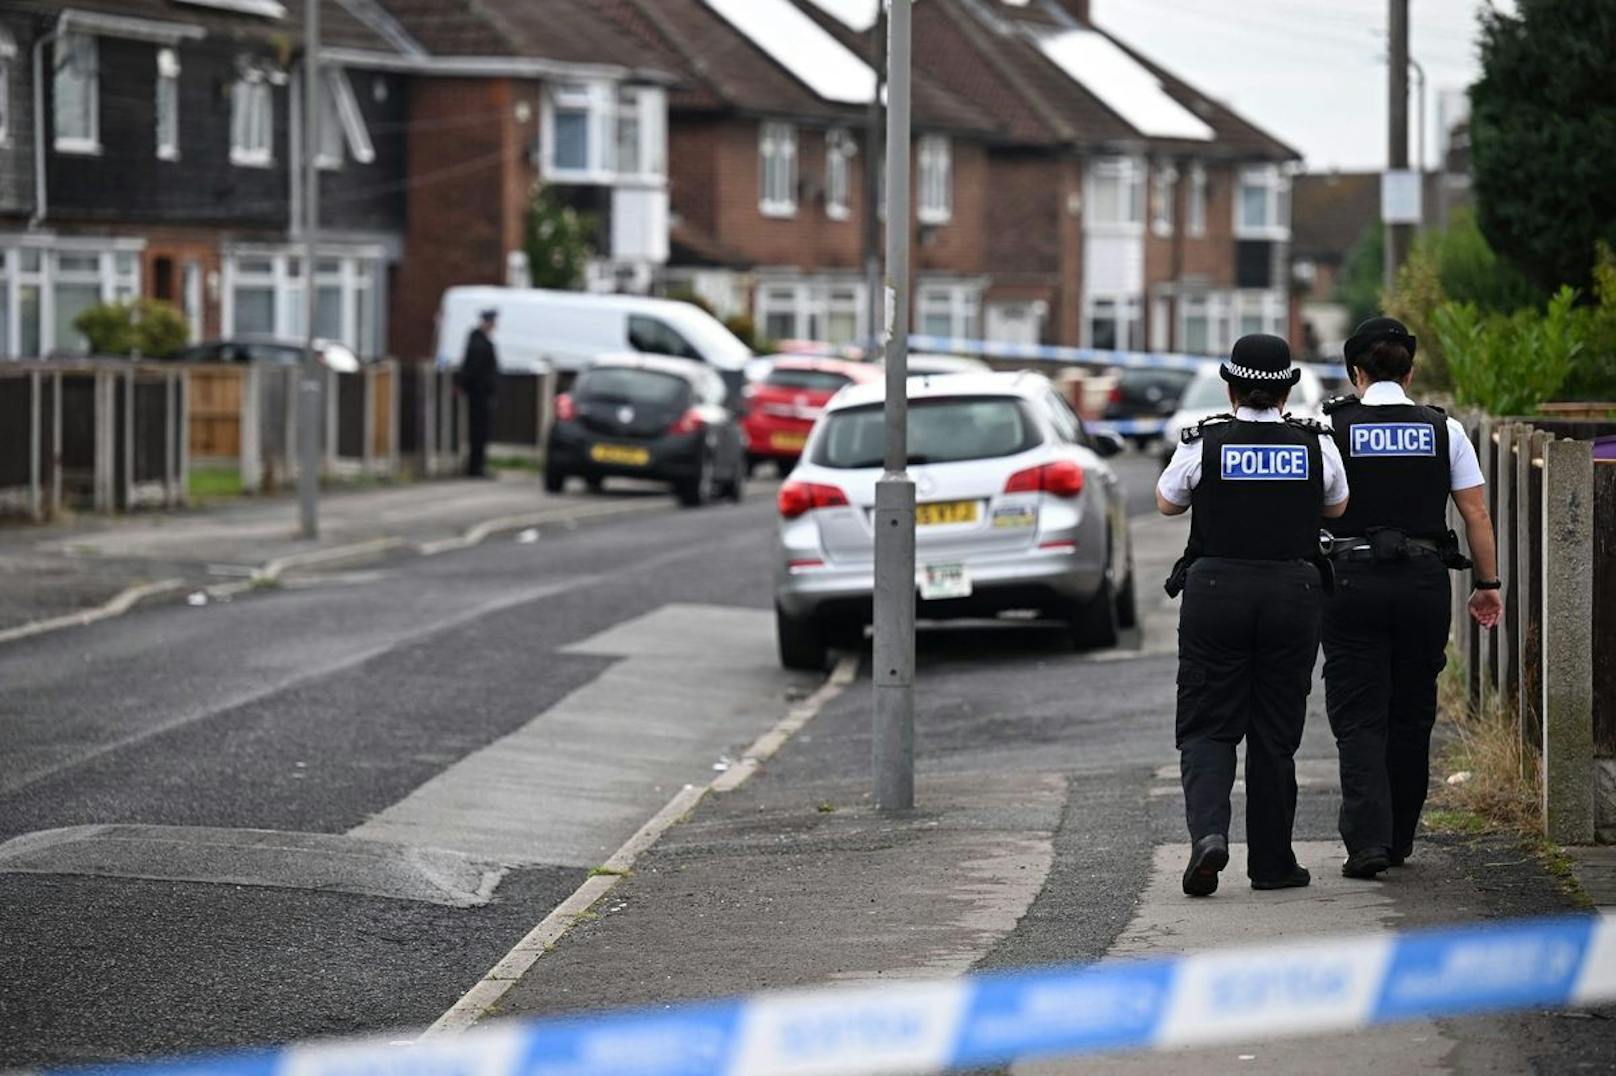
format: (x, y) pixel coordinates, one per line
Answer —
(783, 407)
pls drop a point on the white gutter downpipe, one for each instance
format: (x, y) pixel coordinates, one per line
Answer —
(41, 199)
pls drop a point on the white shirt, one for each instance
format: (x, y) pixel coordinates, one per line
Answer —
(1183, 473)
(1464, 469)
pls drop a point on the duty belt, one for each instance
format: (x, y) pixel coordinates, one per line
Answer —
(1360, 549)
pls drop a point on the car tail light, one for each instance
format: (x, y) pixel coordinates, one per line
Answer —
(797, 498)
(689, 422)
(1063, 478)
(565, 409)
(1116, 393)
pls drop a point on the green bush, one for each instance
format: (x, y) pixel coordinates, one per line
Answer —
(558, 241)
(1508, 364)
(1593, 371)
(147, 328)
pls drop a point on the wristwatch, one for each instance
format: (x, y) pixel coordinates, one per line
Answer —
(1488, 584)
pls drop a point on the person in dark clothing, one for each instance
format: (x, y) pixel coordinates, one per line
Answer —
(1386, 626)
(478, 378)
(1248, 634)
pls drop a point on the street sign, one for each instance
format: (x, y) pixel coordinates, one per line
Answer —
(1400, 197)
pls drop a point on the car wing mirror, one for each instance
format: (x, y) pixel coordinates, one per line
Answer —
(1108, 443)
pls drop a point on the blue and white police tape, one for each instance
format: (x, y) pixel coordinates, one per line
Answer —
(1246, 994)
(1082, 356)
(1130, 427)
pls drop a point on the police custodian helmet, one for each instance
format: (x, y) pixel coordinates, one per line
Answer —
(1260, 359)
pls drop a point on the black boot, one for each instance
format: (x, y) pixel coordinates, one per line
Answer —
(1366, 862)
(1209, 855)
(1297, 878)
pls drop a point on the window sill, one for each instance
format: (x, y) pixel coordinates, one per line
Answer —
(1276, 235)
(168, 155)
(78, 147)
(933, 218)
(778, 211)
(839, 213)
(241, 160)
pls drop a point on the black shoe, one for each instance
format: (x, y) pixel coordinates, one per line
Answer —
(1367, 862)
(1209, 855)
(1398, 856)
(1296, 879)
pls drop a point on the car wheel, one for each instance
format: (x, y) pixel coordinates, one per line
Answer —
(554, 481)
(697, 491)
(595, 483)
(1094, 622)
(801, 642)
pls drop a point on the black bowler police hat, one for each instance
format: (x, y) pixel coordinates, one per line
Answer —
(490, 314)
(1260, 359)
(1374, 331)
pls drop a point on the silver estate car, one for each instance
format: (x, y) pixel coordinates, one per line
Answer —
(1017, 510)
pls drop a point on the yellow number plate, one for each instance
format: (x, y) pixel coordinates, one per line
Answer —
(945, 512)
(788, 442)
(624, 454)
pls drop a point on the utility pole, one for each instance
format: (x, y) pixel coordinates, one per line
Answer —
(310, 413)
(874, 307)
(1419, 129)
(1399, 236)
(894, 719)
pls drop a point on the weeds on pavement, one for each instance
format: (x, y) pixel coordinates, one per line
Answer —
(1501, 791)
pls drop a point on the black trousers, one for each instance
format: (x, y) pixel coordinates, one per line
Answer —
(1248, 636)
(479, 425)
(1385, 641)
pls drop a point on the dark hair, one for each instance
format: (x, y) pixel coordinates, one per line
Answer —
(1258, 397)
(1386, 361)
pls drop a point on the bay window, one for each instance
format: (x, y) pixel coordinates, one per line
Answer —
(265, 295)
(826, 311)
(1262, 204)
(1115, 322)
(600, 132)
(777, 169)
(934, 181)
(75, 92)
(44, 287)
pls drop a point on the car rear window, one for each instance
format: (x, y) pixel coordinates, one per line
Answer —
(648, 388)
(812, 380)
(941, 430)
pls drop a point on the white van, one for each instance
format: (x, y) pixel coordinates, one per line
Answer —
(567, 329)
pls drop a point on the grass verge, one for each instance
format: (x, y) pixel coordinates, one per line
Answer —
(214, 483)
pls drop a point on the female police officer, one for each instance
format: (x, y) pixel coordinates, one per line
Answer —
(1248, 633)
(1386, 626)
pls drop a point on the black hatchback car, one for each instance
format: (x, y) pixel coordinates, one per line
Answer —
(653, 417)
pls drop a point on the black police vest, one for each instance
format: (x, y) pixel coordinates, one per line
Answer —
(1261, 492)
(1396, 458)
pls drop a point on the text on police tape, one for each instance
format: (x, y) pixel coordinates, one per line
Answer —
(1264, 463)
(1393, 439)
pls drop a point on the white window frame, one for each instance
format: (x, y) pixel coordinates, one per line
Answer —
(166, 106)
(590, 99)
(257, 86)
(1127, 315)
(840, 149)
(1276, 186)
(934, 180)
(777, 169)
(353, 272)
(8, 53)
(90, 143)
(809, 303)
(31, 262)
(962, 301)
(1195, 206)
(603, 105)
(1129, 175)
(1163, 193)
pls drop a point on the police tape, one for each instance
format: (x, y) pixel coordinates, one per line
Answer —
(1129, 427)
(1083, 356)
(1246, 994)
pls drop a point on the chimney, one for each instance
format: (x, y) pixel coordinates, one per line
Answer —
(1078, 9)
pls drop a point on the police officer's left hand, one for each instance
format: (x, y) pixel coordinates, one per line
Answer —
(1486, 606)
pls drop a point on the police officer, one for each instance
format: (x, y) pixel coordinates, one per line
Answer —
(478, 377)
(1386, 625)
(1248, 634)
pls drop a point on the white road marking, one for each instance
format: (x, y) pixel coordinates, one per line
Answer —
(487, 992)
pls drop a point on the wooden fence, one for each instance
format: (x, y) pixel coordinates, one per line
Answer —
(1551, 662)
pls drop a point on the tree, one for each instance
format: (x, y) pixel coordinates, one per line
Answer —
(1543, 136)
(558, 241)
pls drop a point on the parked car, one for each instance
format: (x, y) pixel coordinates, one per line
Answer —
(1208, 394)
(566, 330)
(269, 349)
(649, 416)
(1143, 398)
(1018, 510)
(784, 406)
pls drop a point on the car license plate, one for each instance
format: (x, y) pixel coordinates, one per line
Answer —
(927, 515)
(788, 442)
(624, 454)
(938, 581)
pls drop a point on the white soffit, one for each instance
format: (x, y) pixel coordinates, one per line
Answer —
(1127, 87)
(856, 15)
(802, 47)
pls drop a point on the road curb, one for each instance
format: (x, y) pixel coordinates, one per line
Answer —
(475, 1003)
(119, 604)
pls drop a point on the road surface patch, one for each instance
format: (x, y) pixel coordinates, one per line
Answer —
(318, 861)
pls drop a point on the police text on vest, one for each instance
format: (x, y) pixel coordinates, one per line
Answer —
(1264, 463)
(1393, 439)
